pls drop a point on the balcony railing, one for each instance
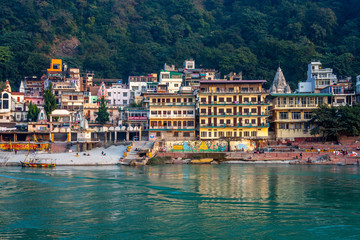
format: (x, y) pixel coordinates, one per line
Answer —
(311, 105)
(235, 103)
(244, 125)
(154, 128)
(227, 91)
(173, 104)
(212, 114)
(173, 116)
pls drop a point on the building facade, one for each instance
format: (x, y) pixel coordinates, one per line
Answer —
(172, 79)
(119, 94)
(233, 110)
(319, 77)
(172, 116)
(292, 113)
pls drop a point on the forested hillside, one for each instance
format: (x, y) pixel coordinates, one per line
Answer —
(116, 38)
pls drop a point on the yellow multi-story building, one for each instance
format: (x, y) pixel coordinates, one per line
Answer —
(292, 113)
(172, 116)
(235, 109)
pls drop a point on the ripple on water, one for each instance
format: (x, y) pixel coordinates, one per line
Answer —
(181, 202)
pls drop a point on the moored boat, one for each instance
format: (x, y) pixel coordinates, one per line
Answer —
(38, 163)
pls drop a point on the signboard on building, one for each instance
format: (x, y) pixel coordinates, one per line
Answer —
(137, 118)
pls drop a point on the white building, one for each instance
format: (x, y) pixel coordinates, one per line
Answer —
(172, 79)
(119, 94)
(358, 85)
(141, 84)
(320, 77)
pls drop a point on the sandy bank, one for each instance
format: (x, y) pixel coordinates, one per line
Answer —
(112, 157)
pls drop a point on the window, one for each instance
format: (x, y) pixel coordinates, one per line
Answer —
(297, 125)
(190, 112)
(221, 121)
(246, 134)
(202, 110)
(186, 134)
(253, 99)
(307, 115)
(253, 133)
(153, 112)
(283, 115)
(190, 100)
(221, 99)
(228, 110)
(203, 134)
(153, 100)
(296, 115)
(125, 94)
(190, 123)
(158, 134)
(176, 134)
(109, 93)
(227, 121)
(125, 102)
(283, 126)
(228, 134)
(253, 110)
(253, 121)
(203, 100)
(228, 100)
(246, 100)
(202, 121)
(209, 133)
(221, 134)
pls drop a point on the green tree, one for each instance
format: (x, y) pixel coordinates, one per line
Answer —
(49, 100)
(5, 54)
(333, 122)
(33, 112)
(102, 114)
(2, 86)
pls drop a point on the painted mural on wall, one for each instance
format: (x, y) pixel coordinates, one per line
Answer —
(197, 146)
(243, 145)
(210, 146)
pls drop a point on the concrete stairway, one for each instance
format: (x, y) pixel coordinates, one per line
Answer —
(132, 157)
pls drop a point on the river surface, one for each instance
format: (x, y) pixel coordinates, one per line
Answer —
(248, 201)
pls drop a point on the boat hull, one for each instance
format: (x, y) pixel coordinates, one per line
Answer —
(37, 165)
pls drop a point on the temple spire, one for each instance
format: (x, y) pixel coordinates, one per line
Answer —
(279, 84)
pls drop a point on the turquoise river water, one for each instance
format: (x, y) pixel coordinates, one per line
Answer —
(247, 201)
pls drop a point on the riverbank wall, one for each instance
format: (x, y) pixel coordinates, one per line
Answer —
(306, 158)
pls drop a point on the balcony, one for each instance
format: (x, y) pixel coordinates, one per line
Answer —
(173, 116)
(170, 128)
(263, 114)
(287, 106)
(173, 104)
(227, 91)
(235, 103)
(245, 125)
